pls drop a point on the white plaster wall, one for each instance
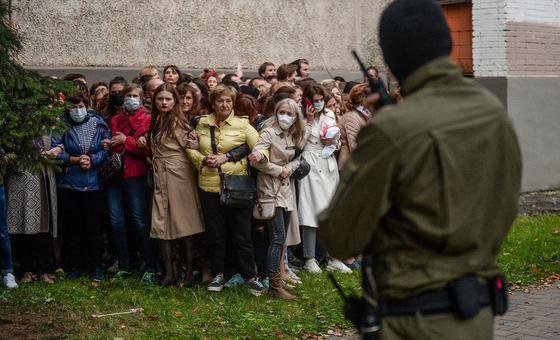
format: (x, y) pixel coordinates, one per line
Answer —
(537, 11)
(197, 33)
(489, 41)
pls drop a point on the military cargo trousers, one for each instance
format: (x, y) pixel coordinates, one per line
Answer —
(438, 326)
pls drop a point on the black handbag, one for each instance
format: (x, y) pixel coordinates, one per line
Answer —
(303, 169)
(114, 164)
(237, 191)
(112, 167)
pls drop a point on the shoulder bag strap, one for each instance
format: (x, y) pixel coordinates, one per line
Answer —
(215, 150)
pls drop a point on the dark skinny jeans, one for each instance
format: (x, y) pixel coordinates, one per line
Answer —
(277, 227)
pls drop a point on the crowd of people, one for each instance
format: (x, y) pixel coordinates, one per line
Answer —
(144, 176)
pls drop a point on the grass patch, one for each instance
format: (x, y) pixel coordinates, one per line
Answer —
(66, 307)
(530, 253)
(532, 249)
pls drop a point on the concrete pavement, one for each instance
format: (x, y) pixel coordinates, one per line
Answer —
(531, 316)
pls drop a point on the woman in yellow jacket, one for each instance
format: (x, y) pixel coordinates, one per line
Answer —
(231, 131)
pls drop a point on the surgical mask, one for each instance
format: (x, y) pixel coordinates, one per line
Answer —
(116, 99)
(319, 105)
(131, 104)
(78, 114)
(285, 121)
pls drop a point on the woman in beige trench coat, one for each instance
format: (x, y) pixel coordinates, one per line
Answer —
(175, 210)
(275, 156)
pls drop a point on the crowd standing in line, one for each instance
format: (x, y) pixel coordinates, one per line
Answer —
(146, 166)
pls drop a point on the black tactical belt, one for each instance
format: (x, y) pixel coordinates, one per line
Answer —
(450, 299)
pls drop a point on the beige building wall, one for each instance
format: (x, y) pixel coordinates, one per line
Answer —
(197, 33)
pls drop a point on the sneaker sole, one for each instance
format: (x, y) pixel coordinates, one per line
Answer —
(256, 292)
(214, 289)
(314, 271)
(333, 269)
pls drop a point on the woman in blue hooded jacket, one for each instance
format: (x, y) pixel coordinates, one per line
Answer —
(80, 197)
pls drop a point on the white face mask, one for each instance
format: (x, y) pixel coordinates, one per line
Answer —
(319, 105)
(285, 121)
(131, 104)
(78, 114)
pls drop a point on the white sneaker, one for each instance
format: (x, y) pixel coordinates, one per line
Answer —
(337, 265)
(312, 266)
(293, 277)
(10, 281)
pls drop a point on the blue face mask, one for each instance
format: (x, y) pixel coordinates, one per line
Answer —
(78, 114)
(131, 104)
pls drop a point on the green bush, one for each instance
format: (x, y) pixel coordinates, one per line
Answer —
(28, 103)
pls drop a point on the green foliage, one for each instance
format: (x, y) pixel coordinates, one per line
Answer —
(28, 103)
(532, 249)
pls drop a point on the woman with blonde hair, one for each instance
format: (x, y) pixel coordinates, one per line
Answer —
(275, 156)
(175, 210)
(218, 134)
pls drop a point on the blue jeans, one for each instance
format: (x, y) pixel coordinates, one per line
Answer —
(277, 227)
(6, 264)
(130, 193)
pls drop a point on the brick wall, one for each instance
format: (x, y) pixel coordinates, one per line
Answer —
(516, 38)
(533, 37)
(489, 41)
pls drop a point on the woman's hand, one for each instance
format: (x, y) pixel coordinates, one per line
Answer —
(118, 139)
(215, 161)
(329, 141)
(53, 153)
(255, 157)
(143, 142)
(284, 174)
(106, 144)
(85, 162)
(310, 114)
(191, 140)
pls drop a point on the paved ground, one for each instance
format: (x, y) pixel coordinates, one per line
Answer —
(532, 315)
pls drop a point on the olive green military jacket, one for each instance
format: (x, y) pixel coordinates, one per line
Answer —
(432, 188)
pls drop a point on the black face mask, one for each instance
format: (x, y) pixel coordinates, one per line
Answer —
(116, 99)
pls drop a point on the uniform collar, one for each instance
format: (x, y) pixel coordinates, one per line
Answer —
(438, 68)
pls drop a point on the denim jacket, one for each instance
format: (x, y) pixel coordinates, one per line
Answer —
(72, 176)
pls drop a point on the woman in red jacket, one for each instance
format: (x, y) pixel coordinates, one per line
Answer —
(130, 189)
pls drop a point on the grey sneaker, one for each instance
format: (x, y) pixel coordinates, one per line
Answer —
(255, 287)
(234, 281)
(217, 284)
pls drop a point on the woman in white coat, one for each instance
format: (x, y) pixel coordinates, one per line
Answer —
(317, 189)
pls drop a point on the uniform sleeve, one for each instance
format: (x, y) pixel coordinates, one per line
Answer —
(362, 198)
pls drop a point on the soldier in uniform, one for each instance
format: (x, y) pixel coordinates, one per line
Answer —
(431, 190)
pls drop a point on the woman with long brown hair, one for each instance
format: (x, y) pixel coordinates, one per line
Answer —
(175, 210)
